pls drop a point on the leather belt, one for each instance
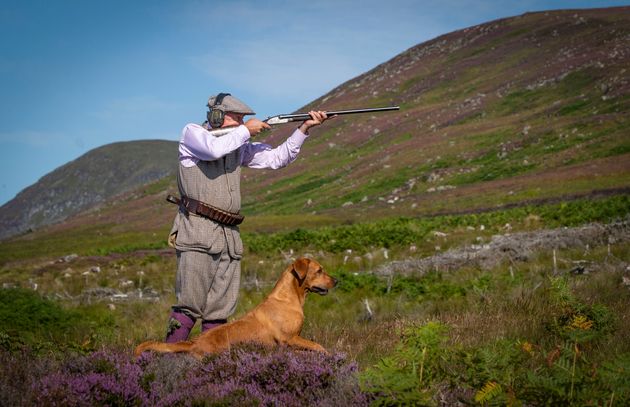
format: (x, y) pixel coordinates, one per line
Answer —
(207, 211)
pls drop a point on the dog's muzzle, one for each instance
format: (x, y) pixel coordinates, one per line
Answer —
(322, 290)
(318, 290)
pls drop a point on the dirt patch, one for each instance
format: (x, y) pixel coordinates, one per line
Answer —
(517, 247)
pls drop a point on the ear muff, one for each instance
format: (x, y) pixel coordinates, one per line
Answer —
(216, 115)
(216, 118)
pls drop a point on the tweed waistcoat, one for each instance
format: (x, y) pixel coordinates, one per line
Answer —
(217, 183)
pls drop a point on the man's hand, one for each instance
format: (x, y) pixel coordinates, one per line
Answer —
(317, 117)
(255, 126)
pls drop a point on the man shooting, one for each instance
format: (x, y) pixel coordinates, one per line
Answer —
(205, 231)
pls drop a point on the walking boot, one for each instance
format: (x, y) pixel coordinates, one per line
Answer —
(179, 326)
(205, 325)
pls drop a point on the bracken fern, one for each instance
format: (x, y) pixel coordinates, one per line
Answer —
(489, 391)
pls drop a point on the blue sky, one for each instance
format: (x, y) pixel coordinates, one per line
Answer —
(79, 74)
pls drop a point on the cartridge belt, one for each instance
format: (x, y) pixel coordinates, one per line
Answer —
(207, 211)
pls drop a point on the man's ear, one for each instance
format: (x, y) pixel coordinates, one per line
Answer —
(300, 267)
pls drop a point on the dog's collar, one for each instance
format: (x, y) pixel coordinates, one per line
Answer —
(297, 277)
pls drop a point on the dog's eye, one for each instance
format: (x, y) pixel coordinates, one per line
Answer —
(319, 271)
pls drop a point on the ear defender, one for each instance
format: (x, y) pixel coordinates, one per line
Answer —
(216, 115)
(216, 118)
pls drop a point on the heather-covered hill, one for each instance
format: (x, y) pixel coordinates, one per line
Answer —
(530, 107)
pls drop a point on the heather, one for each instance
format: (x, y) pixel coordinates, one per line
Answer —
(247, 375)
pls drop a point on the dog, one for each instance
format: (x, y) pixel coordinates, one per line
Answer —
(277, 320)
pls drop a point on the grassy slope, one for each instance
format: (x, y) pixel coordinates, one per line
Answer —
(492, 111)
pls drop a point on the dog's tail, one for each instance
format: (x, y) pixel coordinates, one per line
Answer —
(163, 347)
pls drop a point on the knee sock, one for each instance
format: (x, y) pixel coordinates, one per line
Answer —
(179, 326)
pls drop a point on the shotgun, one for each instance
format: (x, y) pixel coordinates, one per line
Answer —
(296, 117)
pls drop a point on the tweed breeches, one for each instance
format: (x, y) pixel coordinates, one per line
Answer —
(207, 285)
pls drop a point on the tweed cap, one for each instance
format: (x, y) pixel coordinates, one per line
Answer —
(230, 104)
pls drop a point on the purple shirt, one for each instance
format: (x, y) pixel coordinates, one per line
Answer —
(198, 144)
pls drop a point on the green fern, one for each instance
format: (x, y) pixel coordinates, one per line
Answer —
(406, 377)
(489, 391)
(561, 291)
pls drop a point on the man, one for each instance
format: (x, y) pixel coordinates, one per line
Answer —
(205, 232)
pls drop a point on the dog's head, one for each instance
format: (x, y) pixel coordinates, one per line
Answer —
(312, 276)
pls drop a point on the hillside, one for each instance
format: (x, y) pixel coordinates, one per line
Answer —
(88, 181)
(520, 110)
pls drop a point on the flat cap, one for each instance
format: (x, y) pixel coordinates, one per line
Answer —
(230, 104)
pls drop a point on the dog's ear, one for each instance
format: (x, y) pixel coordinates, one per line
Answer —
(300, 267)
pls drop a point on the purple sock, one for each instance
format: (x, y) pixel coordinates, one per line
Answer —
(179, 326)
(205, 325)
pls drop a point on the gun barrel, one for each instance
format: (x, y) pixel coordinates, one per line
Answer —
(306, 116)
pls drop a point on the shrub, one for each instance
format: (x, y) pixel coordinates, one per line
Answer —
(247, 375)
(560, 370)
(405, 378)
(404, 231)
(575, 321)
(30, 320)
(430, 286)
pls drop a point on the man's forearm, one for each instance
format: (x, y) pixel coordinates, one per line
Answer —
(304, 128)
